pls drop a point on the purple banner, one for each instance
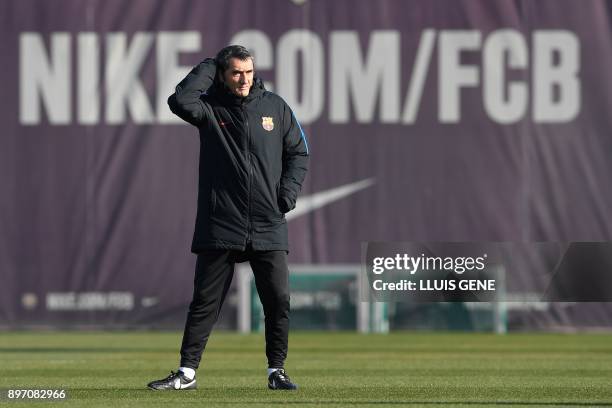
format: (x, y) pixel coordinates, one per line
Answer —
(427, 121)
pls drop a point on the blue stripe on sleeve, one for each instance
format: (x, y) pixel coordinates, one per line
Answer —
(302, 132)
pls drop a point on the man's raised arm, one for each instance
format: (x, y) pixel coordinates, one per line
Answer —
(185, 102)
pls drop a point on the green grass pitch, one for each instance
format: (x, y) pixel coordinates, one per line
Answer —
(111, 369)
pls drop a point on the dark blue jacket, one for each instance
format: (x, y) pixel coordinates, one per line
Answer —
(253, 160)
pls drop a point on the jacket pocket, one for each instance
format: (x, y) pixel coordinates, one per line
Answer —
(277, 198)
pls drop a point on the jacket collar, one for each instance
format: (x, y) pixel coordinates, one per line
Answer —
(220, 92)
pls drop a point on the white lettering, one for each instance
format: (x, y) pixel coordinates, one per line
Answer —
(364, 82)
(452, 74)
(563, 76)
(419, 75)
(309, 45)
(349, 76)
(44, 77)
(499, 107)
(123, 87)
(88, 90)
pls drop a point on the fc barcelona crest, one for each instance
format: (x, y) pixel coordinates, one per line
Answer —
(267, 123)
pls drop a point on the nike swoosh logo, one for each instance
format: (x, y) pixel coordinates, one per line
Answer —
(179, 386)
(309, 203)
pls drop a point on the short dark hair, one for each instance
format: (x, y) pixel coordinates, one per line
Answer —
(229, 52)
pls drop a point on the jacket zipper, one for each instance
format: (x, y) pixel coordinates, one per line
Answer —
(250, 166)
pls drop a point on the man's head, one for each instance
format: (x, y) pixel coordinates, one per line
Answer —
(235, 69)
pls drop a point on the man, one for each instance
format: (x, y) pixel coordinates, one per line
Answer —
(253, 160)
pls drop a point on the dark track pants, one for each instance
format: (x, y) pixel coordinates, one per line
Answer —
(213, 276)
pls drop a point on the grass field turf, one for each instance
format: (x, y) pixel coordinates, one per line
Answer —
(111, 369)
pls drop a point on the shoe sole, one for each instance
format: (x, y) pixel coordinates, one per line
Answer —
(172, 389)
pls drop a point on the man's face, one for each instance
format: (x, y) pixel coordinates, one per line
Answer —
(238, 76)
